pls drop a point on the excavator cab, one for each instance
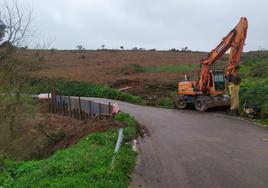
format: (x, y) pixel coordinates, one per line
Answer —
(219, 80)
(216, 82)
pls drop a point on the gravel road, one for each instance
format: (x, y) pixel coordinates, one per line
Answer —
(198, 150)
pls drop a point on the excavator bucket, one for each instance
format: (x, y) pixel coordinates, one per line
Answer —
(234, 92)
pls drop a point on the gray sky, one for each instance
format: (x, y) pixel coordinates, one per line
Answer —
(161, 24)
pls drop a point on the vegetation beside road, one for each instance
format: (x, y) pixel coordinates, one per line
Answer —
(84, 89)
(86, 163)
(254, 85)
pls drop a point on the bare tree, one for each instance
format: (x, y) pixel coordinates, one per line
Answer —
(16, 22)
(2, 30)
(14, 29)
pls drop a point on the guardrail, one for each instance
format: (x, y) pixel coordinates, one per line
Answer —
(78, 108)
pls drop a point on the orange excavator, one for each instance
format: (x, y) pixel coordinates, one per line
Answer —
(211, 89)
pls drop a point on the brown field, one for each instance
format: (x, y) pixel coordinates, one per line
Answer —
(108, 66)
(114, 68)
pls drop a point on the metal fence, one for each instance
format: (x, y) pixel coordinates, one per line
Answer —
(77, 108)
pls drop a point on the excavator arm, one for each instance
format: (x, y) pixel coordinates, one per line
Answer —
(234, 40)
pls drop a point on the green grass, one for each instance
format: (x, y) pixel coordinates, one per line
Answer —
(86, 164)
(77, 88)
(165, 102)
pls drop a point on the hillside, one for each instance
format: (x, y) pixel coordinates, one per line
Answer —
(150, 74)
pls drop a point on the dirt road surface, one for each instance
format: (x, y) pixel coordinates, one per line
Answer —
(198, 150)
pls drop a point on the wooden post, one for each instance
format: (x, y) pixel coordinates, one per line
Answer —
(89, 107)
(53, 96)
(66, 109)
(70, 106)
(80, 111)
(100, 110)
(60, 110)
(77, 114)
(73, 113)
(110, 110)
(64, 105)
(49, 105)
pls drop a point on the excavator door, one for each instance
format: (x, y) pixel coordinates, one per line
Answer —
(216, 82)
(219, 81)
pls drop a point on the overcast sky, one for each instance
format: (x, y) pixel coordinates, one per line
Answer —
(161, 24)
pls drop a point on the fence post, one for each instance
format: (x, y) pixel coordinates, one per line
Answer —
(64, 105)
(77, 114)
(48, 86)
(70, 106)
(110, 110)
(64, 109)
(53, 95)
(80, 111)
(60, 110)
(100, 110)
(89, 107)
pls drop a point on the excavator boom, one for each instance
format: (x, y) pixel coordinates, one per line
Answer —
(234, 40)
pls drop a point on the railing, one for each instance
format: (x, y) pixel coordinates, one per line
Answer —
(77, 108)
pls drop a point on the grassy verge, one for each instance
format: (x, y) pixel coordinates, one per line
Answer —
(254, 85)
(77, 88)
(86, 164)
(165, 102)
